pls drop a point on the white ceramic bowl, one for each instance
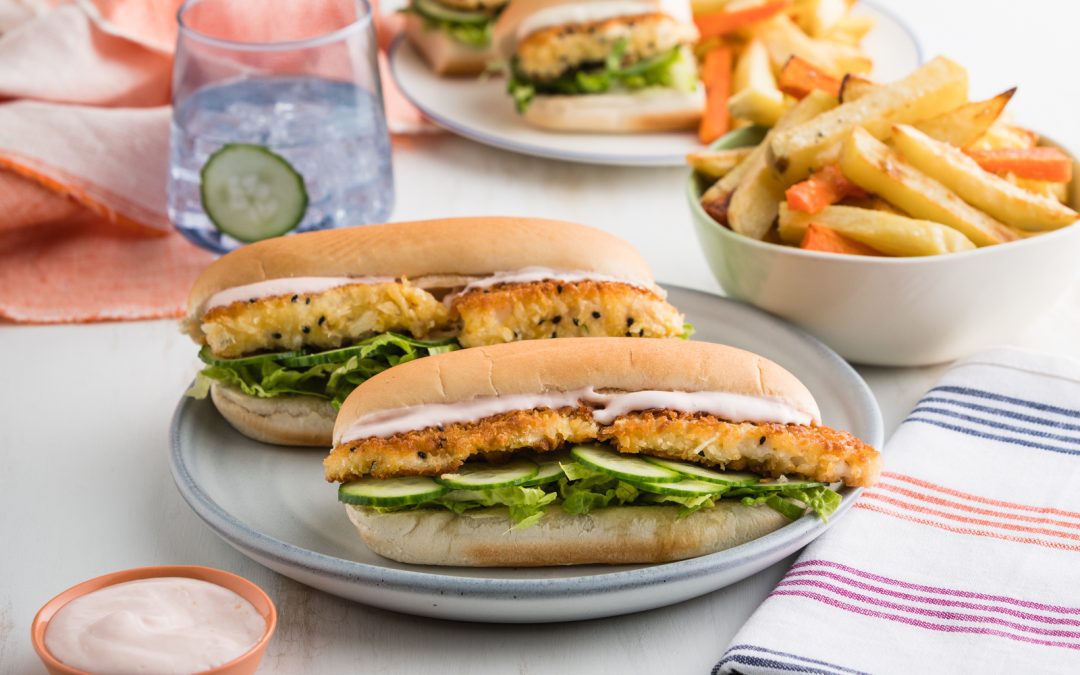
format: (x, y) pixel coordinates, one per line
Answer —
(897, 311)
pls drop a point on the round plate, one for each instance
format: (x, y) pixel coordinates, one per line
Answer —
(272, 504)
(480, 109)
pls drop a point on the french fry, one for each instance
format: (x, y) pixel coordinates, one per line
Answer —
(708, 6)
(798, 78)
(754, 200)
(1001, 136)
(716, 164)
(962, 126)
(784, 39)
(1040, 163)
(818, 17)
(850, 30)
(938, 86)
(871, 165)
(728, 20)
(1058, 191)
(756, 97)
(854, 87)
(716, 76)
(992, 194)
(889, 233)
(827, 240)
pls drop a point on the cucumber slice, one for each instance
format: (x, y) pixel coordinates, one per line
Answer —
(626, 467)
(251, 193)
(482, 476)
(684, 488)
(400, 491)
(549, 472)
(440, 12)
(207, 357)
(728, 478)
(302, 360)
(776, 487)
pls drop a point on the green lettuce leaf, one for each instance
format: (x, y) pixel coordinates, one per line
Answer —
(332, 381)
(476, 35)
(674, 68)
(794, 502)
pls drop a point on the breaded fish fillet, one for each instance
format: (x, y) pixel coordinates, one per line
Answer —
(817, 453)
(325, 320)
(549, 52)
(550, 309)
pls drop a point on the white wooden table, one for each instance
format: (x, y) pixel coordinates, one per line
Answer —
(84, 482)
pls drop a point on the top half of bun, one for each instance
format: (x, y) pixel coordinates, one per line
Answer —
(474, 246)
(570, 364)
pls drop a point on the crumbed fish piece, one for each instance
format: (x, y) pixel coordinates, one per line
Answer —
(550, 52)
(814, 452)
(552, 309)
(322, 320)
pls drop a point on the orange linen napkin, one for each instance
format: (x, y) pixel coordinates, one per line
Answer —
(84, 125)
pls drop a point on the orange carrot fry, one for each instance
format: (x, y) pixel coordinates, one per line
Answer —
(823, 188)
(719, 24)
(821, 238)
(1041, 163)
(716, 75)
(799, 77)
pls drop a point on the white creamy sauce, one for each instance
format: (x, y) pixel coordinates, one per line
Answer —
(528, 275)
(159, 625)
(606, 407)
(286, 286)
(581, 12)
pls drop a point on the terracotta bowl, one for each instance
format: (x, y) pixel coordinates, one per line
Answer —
(245, 664)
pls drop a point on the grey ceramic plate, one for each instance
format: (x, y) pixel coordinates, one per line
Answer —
(272, 504)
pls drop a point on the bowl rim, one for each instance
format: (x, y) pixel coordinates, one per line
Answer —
(703, 219)
(245, 588)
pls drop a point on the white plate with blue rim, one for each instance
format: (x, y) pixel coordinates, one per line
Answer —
(272, 504)
(481, 110)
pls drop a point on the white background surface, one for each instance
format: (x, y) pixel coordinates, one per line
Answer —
(84, 483)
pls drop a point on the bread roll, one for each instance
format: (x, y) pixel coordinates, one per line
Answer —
(615, 535)
(445, 55)
(570, 364)
(474, 246)
(282, 420)
(655, 109)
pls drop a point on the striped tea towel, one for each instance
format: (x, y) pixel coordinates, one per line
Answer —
(965, 558)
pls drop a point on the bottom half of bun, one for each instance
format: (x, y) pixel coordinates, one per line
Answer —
(444, 54)
(654, 109)
(615, 535)
(282, 420)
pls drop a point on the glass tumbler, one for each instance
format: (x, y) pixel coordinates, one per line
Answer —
(278, 123)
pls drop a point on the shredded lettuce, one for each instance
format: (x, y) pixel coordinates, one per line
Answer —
(794, 502)
(476, 35)
(332, 381)
(673, 69)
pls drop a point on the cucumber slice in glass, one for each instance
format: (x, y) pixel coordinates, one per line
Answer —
(549, 472)
(251, 193)
(625, 467)
(440, 12)
(684, 488)
(483, 476)
(208, 357)
(400, 491)
(728, 478)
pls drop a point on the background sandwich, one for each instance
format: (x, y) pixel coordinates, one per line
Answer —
(454, 36)
(606, 66)
(585, 451)
(291, 326)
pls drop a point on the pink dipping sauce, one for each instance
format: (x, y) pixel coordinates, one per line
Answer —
(158, 625)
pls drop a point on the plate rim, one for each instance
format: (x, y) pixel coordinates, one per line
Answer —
(644, 161)
(248, 539)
